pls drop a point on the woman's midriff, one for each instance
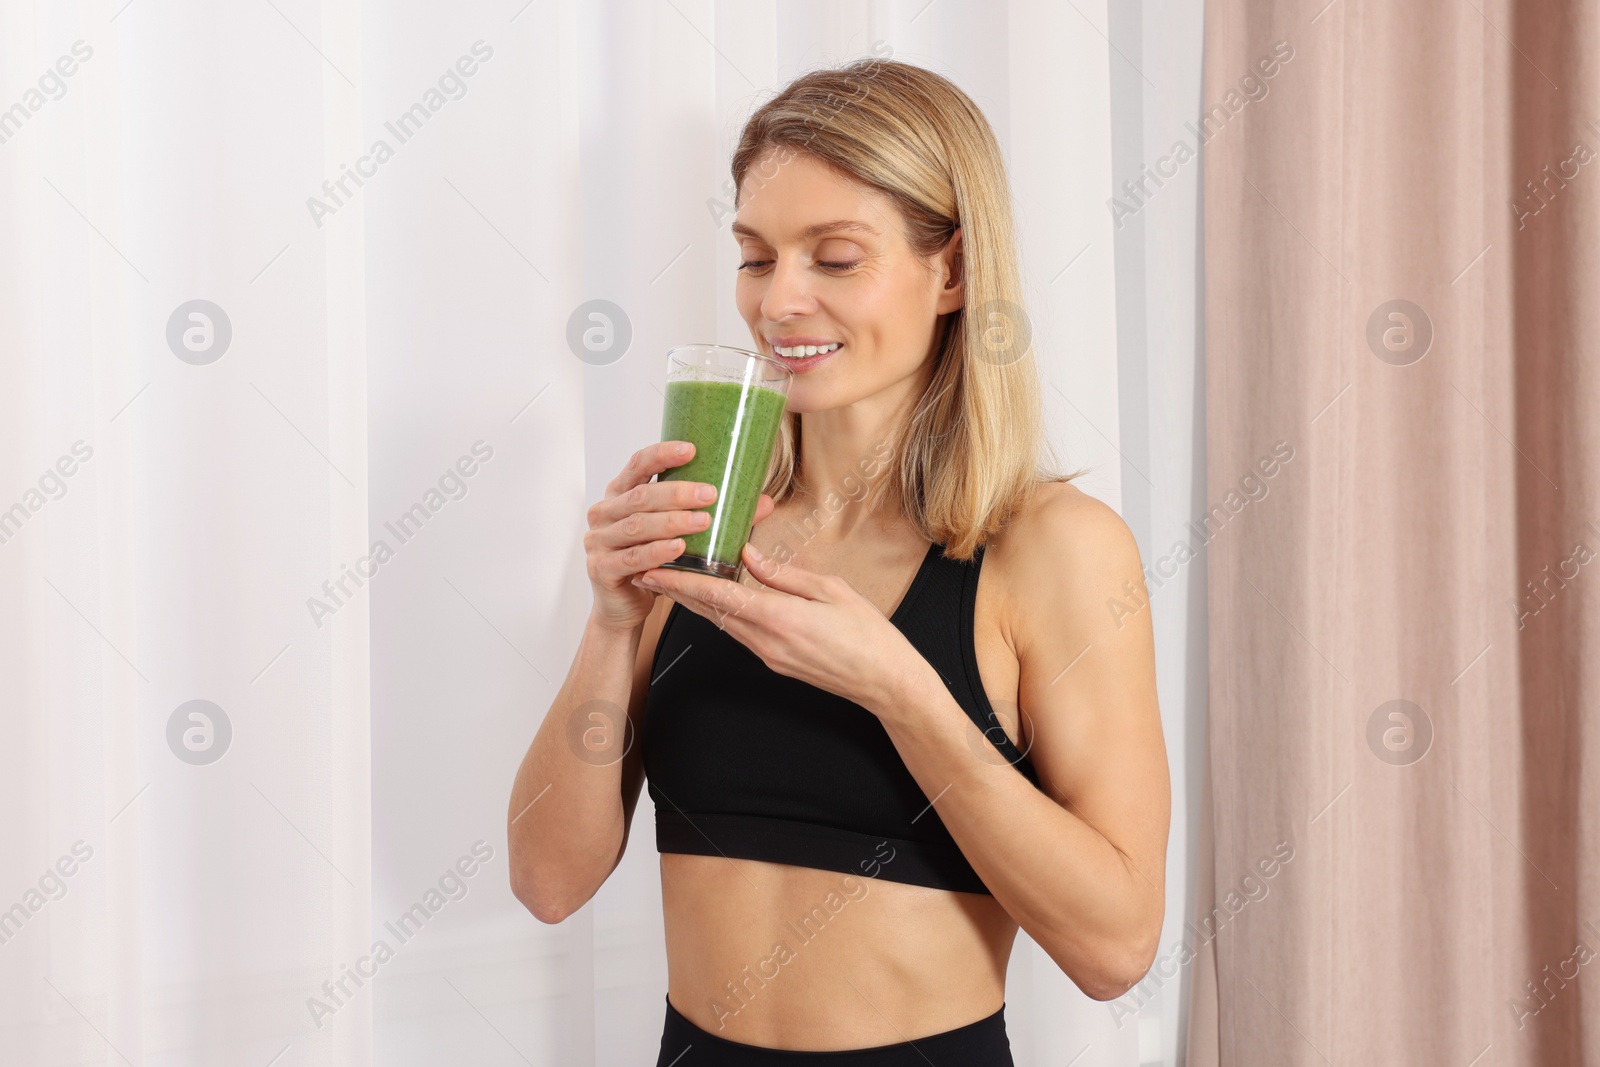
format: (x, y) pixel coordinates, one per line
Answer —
(798, 958)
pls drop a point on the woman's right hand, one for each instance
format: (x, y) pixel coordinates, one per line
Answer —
(638, 526)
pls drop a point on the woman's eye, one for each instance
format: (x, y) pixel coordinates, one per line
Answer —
(757, 266)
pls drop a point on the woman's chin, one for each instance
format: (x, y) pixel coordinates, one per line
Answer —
(809, 396)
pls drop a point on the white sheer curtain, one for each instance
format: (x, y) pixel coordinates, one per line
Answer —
(218, 483)
(352, 530)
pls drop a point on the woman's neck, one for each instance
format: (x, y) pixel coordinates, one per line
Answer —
(850, 451)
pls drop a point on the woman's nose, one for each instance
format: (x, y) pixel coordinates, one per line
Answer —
(788, 292)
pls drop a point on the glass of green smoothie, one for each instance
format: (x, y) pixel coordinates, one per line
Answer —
(727, 402)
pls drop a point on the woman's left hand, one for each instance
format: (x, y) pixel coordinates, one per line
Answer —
(814, 627)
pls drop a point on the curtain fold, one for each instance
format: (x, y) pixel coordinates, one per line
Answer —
(1400, 270)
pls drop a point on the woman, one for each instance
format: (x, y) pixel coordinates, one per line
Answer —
(850, 830)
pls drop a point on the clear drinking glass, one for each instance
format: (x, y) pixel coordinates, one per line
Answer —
(729, 403)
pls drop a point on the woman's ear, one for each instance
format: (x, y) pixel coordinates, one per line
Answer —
(951, 291)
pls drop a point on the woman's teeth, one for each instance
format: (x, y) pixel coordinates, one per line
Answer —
(803, 351)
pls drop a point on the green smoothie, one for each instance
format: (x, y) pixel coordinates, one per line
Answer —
(733, 428)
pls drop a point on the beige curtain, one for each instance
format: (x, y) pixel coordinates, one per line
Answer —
(1402, 271)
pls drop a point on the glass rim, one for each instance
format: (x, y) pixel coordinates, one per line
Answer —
(768, 360)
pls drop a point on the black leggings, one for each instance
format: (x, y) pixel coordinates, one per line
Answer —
(979, 1044)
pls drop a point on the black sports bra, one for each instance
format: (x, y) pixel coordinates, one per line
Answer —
(745, 762)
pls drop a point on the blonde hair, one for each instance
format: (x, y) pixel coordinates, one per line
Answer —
(972, 451)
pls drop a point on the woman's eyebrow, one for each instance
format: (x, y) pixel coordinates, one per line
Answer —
(836, 226)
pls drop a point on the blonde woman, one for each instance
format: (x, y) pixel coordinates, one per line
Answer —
(926, 715)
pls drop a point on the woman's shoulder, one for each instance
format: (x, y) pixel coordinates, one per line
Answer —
(1062, 555)
(1059, 521)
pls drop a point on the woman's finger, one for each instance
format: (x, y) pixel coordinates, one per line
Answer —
(644, 526)
(739, 627)
(648, 462)
(651, 496)
(614, 566)
(717, 595)
(791, 578)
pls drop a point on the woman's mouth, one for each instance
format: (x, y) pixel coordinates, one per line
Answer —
(802, 357)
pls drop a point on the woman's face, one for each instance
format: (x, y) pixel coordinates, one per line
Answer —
(824, 263)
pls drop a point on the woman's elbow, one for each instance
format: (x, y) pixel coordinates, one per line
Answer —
(545, 905)
(535, 889)
(1116, 962)
(553, 886)
(1119, 968)
(1126, 956)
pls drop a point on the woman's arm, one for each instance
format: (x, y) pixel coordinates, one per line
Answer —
(574, 794)
(1080, 866)
(573, 799)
